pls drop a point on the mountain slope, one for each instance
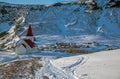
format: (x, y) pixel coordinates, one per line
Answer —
(68, 19)
(85, 18)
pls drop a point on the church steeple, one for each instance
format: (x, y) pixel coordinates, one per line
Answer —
(29, 32)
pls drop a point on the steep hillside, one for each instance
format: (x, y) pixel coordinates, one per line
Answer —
(67, 18)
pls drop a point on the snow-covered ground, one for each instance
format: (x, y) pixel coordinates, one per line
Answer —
(10, 56)
(4, 27)
(100, 65)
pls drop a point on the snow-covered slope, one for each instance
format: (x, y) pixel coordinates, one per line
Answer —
(100, 65)
(68, 19)
(4, 27)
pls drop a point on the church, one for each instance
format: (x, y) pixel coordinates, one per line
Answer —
(26, 45)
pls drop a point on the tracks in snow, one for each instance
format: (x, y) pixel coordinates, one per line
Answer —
(79, 61)
(53, 72)
(71, 68)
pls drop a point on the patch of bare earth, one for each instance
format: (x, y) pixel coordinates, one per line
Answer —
(20, 69)
(69, 47)
(75, 51)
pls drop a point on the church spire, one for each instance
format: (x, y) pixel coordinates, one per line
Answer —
(29, 32)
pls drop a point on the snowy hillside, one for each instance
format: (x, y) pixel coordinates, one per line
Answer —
(73, 22)
(68, 19)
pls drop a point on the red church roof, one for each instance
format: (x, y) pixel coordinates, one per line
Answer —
(29, 32)
(30, 43)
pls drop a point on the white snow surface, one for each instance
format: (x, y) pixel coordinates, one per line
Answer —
(99, 65)
(4, 27)
(9, 56)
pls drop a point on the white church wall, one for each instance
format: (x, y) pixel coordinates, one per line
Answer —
(20, 50)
